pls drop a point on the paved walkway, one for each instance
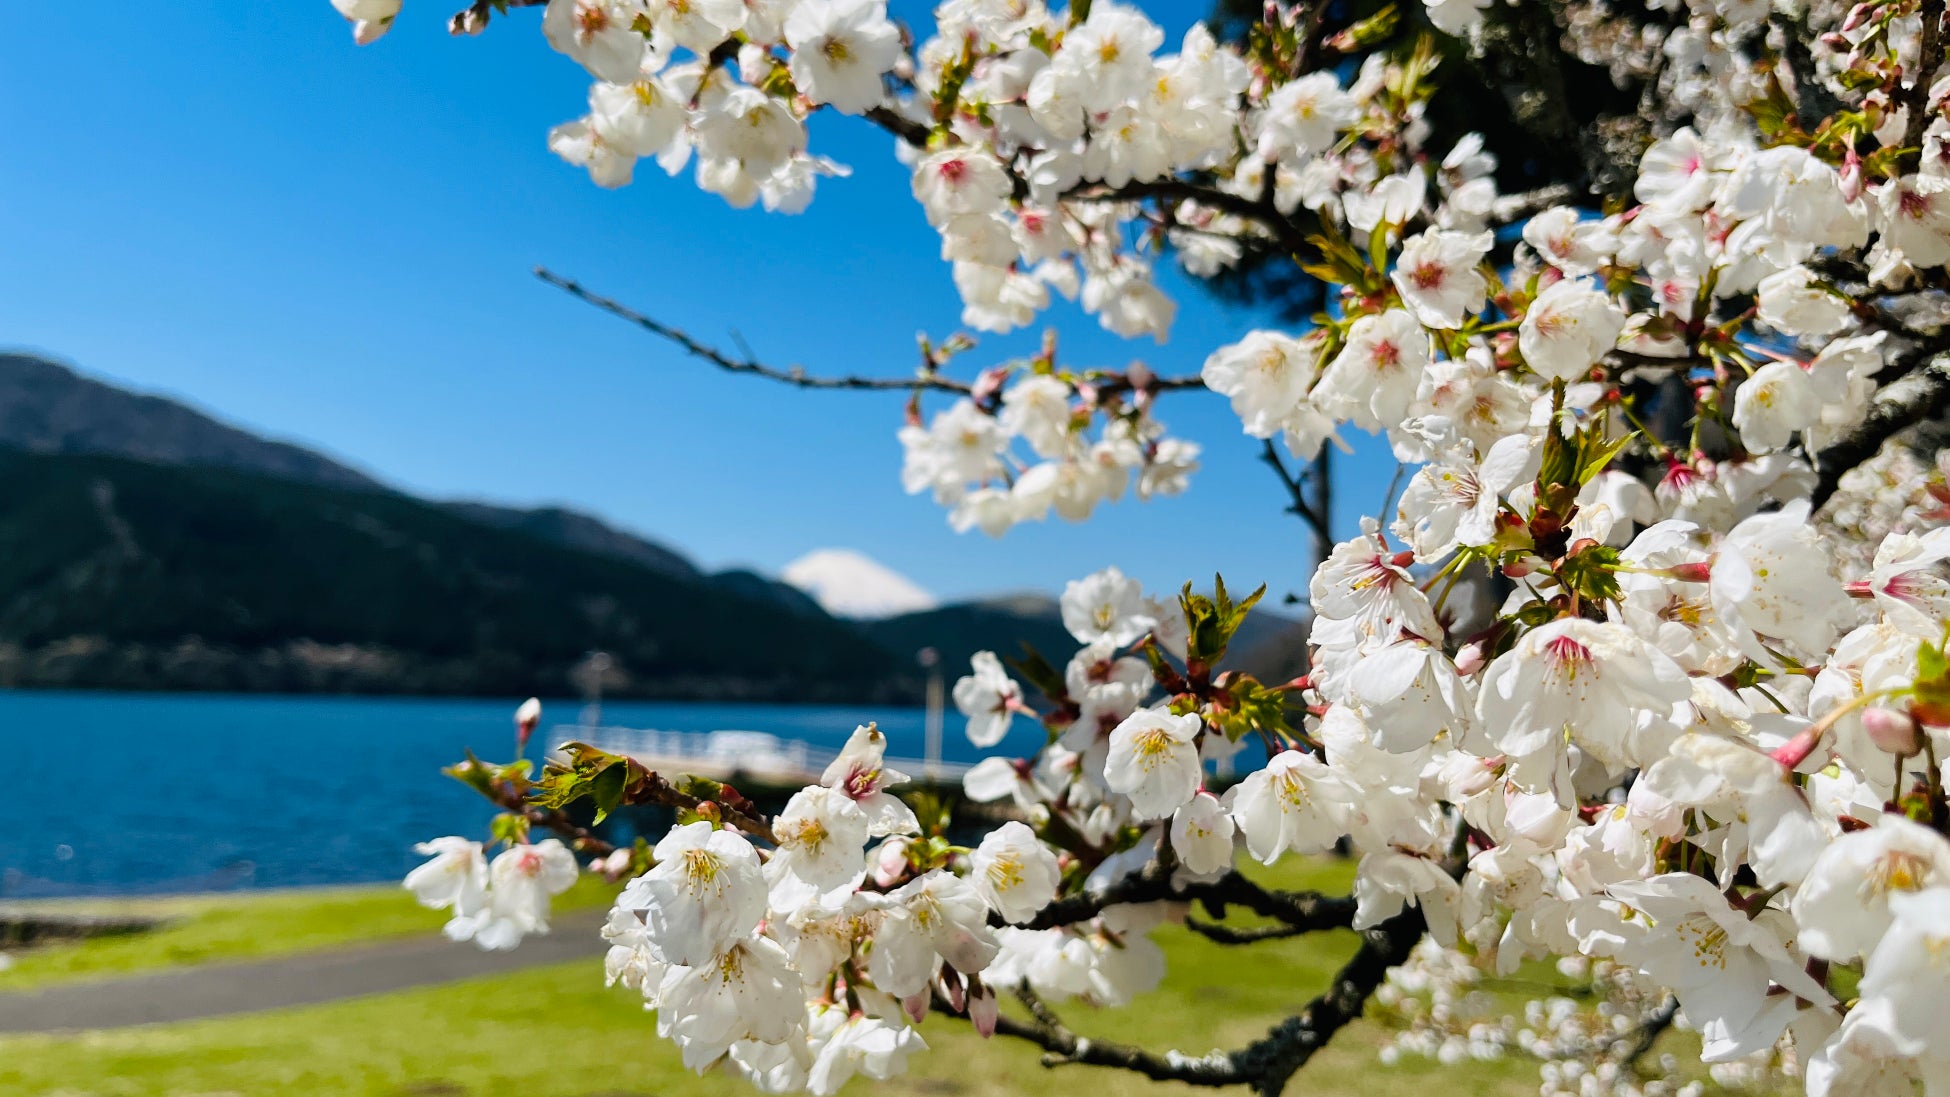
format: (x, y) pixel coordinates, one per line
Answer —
(300, 980)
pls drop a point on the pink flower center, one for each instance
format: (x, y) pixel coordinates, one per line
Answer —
(861, 783)
(1428, 275)
(1567, 656)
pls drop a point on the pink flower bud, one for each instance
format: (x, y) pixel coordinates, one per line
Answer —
(1893, 731)
(987, 384)
(916, 1005)
(957, 994)
(1470, 659)
(1796, 750)
(983, 1009)
(1852, 181)
(1699, 571)
(526, 718)
(890, 866)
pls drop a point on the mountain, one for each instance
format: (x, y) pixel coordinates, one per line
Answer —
(852, 584)
(145, 544)
(1268, 645)
(1001, 625)
(47, 407)
(118, 573)
(579, 531)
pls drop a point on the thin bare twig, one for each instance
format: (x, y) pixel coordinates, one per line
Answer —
(791, 375)
(1298, 503)
(473, 19)
(927, 379)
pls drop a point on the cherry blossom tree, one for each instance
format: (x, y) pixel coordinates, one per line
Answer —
(1645, 672)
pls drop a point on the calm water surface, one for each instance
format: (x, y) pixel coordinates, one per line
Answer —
(131, 793)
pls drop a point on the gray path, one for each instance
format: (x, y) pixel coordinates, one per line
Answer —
(299, 980)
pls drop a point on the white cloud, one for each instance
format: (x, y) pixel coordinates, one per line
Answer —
(852, 584)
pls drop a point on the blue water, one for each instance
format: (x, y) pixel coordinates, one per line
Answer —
(133, 793)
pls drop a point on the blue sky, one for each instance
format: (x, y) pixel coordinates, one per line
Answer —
(233, 204)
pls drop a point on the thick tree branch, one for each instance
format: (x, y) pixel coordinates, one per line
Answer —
(1226, 935)
(1062, 1047)
(1267, 1063)
(1289, 233)
(1270, 1061)
(1649, 1031)
(1916, 97)
(1517, 207)
(1303, 911)
(1922, 396)
(901, 126)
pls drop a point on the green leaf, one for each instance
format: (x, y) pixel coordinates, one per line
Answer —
(1592, 574)
(1930, 696)
(1211, 622)
(607, 789)
(510, 828)
(473, 773)
(1597, 453)
(1039, 673)
(1376, 28)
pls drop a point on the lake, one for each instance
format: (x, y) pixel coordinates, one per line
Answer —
(142, 793)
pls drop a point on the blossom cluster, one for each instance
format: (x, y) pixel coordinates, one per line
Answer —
(967, 455)
(1602, 687)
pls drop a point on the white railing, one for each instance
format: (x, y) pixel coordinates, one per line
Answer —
(757, 753)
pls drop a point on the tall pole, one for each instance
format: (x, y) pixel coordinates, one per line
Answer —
(931, 660)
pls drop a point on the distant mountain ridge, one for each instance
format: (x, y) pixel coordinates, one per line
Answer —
(146, 544)
(49, 407)
(122, 574)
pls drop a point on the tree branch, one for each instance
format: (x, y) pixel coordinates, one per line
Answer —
(1298, 504)
(927, 379)
(1649, 1031)
(1303, 911)
(1516, 207)
(473, 19)
(1916, 97)
(791, 375)
(1265, 1064)
(1274, 1058)
(1226, 935)
(1062, 1047)
(1287, 232)
(580, 838)
(901, 126)
(1923, 395)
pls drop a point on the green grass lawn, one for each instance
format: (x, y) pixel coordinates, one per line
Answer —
(244, 926)
(557, 1032)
